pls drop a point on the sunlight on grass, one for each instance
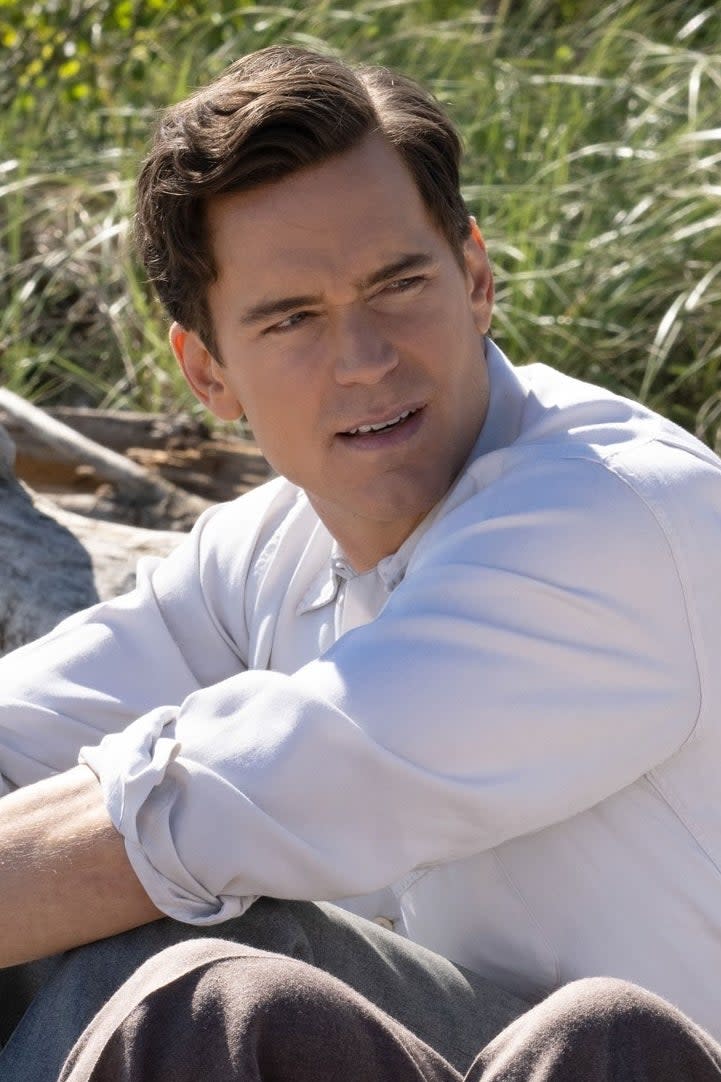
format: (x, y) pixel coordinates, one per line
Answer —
(593, 148)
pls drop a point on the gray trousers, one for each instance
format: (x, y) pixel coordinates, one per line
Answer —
(327, 996)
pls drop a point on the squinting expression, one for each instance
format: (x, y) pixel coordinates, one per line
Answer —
(351, 338)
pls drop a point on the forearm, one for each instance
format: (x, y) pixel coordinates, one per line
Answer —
(65, 878)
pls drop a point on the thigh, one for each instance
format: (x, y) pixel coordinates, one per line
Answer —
(450, 1009)
(18, 987)
(214, 1009)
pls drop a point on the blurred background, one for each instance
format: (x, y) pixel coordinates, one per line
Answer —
(593, 165)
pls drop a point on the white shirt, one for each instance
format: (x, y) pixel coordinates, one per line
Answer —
(510, 729)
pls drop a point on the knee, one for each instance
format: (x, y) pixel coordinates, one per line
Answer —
(606, 1006)
(603, 997)
(208, 970)
(598, 1029)
(240, 987)
(255, 984)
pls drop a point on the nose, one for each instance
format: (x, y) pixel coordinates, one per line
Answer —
(364, 353)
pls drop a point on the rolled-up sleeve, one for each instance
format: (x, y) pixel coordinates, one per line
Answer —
(540, 628)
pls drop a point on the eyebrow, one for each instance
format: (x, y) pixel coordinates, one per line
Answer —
(411, 261)
(280, 306)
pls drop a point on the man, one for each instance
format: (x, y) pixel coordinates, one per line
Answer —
(454, 668)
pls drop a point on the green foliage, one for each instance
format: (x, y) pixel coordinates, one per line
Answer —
(593, 146)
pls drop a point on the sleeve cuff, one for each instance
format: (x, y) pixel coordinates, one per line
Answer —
(129, 766)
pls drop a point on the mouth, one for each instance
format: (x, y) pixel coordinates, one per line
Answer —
(382, 426)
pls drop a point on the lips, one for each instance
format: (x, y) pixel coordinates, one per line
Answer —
(381, 426)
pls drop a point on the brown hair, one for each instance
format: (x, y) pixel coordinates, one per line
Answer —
(269, 114)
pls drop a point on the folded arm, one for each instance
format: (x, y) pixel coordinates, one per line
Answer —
(65, 878)
(535, 660)
(540, 627)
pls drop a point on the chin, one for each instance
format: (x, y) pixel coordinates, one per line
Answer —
(406, 507)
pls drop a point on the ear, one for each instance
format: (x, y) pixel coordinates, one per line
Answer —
(205, 376)
(480, 278)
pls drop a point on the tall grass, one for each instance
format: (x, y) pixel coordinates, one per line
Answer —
(593, 149)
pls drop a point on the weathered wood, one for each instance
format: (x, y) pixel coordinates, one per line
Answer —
(121, 429)
(54, 561)
(149, 494)
(67, 442)
(179, 449)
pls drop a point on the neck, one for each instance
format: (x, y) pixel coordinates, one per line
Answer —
(364, 544)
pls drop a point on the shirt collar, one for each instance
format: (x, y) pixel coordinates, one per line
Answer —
(323, 589)
(506, 402)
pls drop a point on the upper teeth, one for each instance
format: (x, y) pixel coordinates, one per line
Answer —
(362, 429)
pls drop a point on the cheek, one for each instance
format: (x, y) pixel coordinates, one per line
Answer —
(281, 422)
(446, 318)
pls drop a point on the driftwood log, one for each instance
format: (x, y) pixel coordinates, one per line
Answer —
(138, 480)
(152, 497)
(176, 448)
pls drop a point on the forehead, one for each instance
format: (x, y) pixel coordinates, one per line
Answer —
(350, 214)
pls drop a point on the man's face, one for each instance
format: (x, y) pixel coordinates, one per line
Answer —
(350, 337)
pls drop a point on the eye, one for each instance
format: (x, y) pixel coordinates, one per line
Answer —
(289, 323)
(403, 285)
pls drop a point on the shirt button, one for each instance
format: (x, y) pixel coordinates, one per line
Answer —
(384, 922)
